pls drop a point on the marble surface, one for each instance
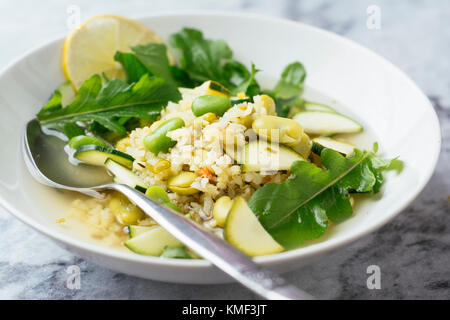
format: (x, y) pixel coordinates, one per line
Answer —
(413, 251)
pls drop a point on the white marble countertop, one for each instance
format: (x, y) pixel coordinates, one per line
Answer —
(412, 252)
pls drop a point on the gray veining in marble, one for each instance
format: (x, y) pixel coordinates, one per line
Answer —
(413, 251)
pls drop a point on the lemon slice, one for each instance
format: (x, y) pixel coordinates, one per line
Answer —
(90, 49)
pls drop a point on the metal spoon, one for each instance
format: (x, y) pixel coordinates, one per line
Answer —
(47, 162)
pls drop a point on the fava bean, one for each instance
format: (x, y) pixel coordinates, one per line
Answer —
(214, 104)
(82, 140)
(181, 183)
(268, 104)
(304, 147)
(282, 130)
(158, 141)
(158, 194)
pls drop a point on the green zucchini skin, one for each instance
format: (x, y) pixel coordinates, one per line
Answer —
(140, 188)
(239, 101)
(124, 175)
(321, 143)
(218, 87)
(97, 155)
(317, 148)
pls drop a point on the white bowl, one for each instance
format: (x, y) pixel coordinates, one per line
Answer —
(374, 91)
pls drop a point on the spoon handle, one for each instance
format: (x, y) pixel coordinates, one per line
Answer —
(262, 281)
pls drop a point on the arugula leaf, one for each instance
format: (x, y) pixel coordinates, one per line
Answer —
(336, 203)
(204, 59)
(299, 208)
(131, 64)
(55, 101)
(154, 57)
(275, 202)
(181, 77)
(291, 83)
(175, 253)
(248, 84)
(105, 103)
(306, 223)
(367, 177)
(149, 58)
(288, 88)
(288, 109)
(236, 73)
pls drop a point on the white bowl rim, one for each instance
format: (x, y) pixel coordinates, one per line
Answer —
(282, 257)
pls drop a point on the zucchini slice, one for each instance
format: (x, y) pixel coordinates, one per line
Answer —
(134, 231)
(239, 101)
(244, 231)
(261, 155)
(321, 143)
(326, 123)
(152, 242)
(125, 176)
(314, 106)
(97, 155)
(215, 88)
(212, 88)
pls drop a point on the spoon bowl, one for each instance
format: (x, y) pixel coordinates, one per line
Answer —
(49, 163)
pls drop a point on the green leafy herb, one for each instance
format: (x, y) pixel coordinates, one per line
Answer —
(204, 59)
(150, 58)
(288, 109)
(175, 253)
(248, 84)
(291, 83)
(298, 209)
(289, 87)
(107, 102)
(154, 57)
(181, 77)
(54, 102)
(132, 66)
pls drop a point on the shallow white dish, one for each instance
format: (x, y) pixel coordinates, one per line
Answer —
(399, 116)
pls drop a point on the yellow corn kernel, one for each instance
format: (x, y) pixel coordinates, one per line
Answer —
(210, 117)
(160, 166)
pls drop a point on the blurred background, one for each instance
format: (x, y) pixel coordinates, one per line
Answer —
(413, 251)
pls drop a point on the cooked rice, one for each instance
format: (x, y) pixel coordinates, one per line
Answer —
(201, 143)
